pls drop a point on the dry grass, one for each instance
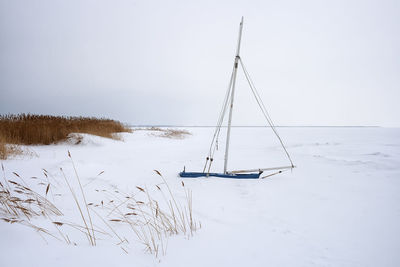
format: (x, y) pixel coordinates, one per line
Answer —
(7, 150)
(19, 203)
(168, 133)
(152, 214)
(27, 129)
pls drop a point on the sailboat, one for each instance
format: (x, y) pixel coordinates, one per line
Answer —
(228, 102)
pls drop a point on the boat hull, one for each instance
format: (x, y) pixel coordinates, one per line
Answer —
(220, 175)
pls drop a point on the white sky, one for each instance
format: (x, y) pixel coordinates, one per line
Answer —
(168, 62)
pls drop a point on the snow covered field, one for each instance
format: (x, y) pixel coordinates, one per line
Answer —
(339, 207)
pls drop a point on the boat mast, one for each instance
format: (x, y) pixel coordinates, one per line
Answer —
(232, 97)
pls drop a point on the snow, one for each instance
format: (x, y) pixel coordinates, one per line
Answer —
(338, 207)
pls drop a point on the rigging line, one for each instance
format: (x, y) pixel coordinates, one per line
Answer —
(255, 89)
(258, 95)
(262, 106)
(264, 110)
(213, 145)
(222, 112)
(219, 123)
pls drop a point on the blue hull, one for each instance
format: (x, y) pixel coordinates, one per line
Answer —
(221, 175)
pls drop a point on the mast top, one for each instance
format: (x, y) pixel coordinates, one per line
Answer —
(240, 37)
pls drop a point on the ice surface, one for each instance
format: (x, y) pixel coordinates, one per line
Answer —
(339, 207)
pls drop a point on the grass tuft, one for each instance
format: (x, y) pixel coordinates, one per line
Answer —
(167, 132)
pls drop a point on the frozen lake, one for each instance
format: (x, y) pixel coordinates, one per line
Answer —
(340, 206)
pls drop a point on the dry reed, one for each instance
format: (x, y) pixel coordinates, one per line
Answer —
(28, 129)
(7, 150)
(168, 132)
(151, 220)
(152, 214)
(19, 203)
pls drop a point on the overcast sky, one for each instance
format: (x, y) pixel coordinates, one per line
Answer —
(169, 62)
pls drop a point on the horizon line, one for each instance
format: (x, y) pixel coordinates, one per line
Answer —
(258, 126)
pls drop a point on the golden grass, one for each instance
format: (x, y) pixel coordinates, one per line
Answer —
(27, 129)
(18, 200)
(153, 214)
(168, 132)
(7, 150)
(153, 220)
